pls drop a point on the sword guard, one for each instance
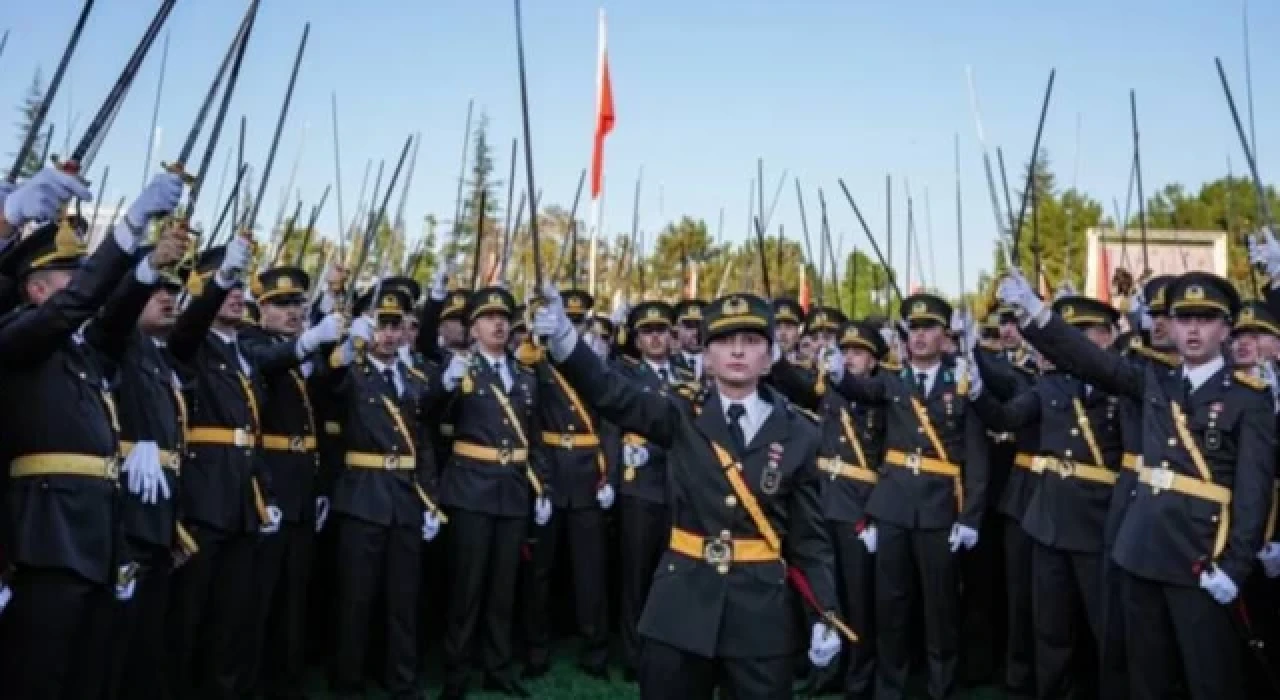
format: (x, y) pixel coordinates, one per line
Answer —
(69, 167)
(176, 168)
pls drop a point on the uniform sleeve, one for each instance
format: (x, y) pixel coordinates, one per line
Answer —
(976, 470)
(617, 399)
(193, 324)
(1251, 495)
(1008, 416)
(31, 335)
(428, 342)
(808, 544)
(111, 331)
(795, 384)
(1068, 349)
(268, 356)
(999, 376)
(869, 390)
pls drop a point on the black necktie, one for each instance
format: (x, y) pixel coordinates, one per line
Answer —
(390, 376)
(1186, 391)
(497, 368)
(736, 412)
(921, 383)
(662, 372)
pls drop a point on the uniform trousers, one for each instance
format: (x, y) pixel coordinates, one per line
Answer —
(282, 565)
(1066, 594)
(1177, 635)
(1019, 664)
(907, 560)
(484, 561)
(645, 531)
(584, 532)
(667, 673)
(138, 644)
(377, 562)
(54, 636)
(855, 580)
(211, 616)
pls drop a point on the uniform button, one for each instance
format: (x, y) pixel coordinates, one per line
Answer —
(1164, 463)
(1067, 453)
(1074, 432)
(671, 567)
(571, 427)
(1173, 442)
(731, 501)
(843, 440)
(920, 430)
(1213, 518)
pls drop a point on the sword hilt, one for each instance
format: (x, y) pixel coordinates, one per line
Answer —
(70, 167)
(177, 168)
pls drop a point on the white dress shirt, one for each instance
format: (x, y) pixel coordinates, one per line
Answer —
(503, 366)
(930, 375)
(695, 362)
(658, 369)
(1199, 375)
(382, 368)
(230, 339)
(758, 411)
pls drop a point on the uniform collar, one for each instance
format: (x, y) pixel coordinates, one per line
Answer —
(1199, 375)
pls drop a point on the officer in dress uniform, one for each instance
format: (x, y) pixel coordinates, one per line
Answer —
(384, 497)
(852, 447)
(1080, 455)
(573, 440)
(788, 319)
(1197, 514)
(744, 495)
(645, 522)
(497, 474)
(60, 432)
(823, 324)
(153, 414)
(285, 356)
(929, 501)
(688, 330)
(226, 496)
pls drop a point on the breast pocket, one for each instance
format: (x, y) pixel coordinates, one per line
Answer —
(1218, 435)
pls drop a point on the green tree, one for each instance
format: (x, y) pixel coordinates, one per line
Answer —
(480, 184)
(26, 121)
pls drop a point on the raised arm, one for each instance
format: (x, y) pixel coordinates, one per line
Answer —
(1069, 349)
(111, 331)
(1007, 416)
(795, 384)
(194, 322)
(617, 399)
(1000, 376)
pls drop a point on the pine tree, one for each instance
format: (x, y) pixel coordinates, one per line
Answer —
(27, 112)
(481, 181)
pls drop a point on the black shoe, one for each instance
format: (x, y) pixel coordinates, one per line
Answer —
(535, 671)
(600, 673)
(509, 687)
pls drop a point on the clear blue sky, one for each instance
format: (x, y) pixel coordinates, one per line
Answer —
(823, 88)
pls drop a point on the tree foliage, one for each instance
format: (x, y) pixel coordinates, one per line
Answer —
(27, 112)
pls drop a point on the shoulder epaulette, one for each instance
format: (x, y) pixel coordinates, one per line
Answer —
(1163, 358)
(806, 413)
(1248, 379)
(416, 373)
(992, 345)
(627, 359)
(890, 366)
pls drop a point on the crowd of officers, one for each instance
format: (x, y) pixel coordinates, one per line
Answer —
(216, 476)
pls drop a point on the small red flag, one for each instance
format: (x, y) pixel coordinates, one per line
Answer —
(604, 114)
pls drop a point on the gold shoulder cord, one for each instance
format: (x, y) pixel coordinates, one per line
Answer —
(601, 465)
(259, 502)
(1082, 419)
(503, 401)
(923, 416)
(1224, 521)
(849, 433)
(745, 497)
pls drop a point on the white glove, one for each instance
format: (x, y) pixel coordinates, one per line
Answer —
(833, 363)
(1065, 289)
(146, 475)
(456, 370)
(551, 322)
(126, 589)
(5, 189)
(1016, 291)
(160, 197)
(542, 511)
(41, 197)
(1219, 585)
(868, 537)
(962, 536)
(272, 526)
(362, 328)
(6, 595)
(1270, 558)
(439, 287)
(604, 496)
(328, 330)
(235, 261)
(322, 512)
(975, 378)
(1264, 251)
(598, 345)
(635, 455)
(824, 645)
(430, 526)
(619, 313)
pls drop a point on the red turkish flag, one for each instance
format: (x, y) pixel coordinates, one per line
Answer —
(604, 114)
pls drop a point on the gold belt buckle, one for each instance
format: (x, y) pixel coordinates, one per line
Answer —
(718, 551)
(1161, 480)
(566, 441)
(240, 437)
(913, 463)
(175, 460)
(111, 467)
(297, 443)
(504, 456)
(1066, 468)
(1038, 465)
(391, 462)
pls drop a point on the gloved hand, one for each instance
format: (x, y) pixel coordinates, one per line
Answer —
(322, 512)
(619, 313)
(126, 581)
(824, 645)
(604, 496)
(542, 511)
(5, 189)
(635, 455)
(775, 352)
(41, 197)
(1264, 251)
(551, 322)
(833, 363)
(598, 345)
(6, 595)
(455, 371)
(1016, 291)
(160, 197)
(962, 536)
(235, 261)
(430, 525)
(1270, 558)
(272, 526)
(868, 537)
(146, 474)
(1065, 289)
(362, 328)
(439, 287)
(1219, 585)
(328, 330)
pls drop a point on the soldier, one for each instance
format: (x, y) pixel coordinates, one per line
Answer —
(645, 521)
(495, 477)
(153, 415)
(1253, 336)
(688, 330)
(823, 324)
(719, 611)
(61, 433)
(1196, 517)
(929, 501)
(226, 496)
(285, 356)
(1079, 456)
(383, 499)
(572, 441)
(788, 318)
